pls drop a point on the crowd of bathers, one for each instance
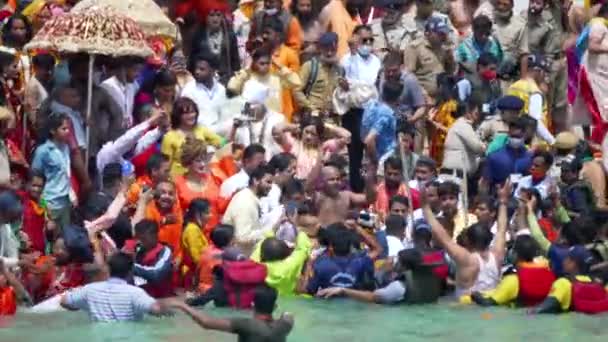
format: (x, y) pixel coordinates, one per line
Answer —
(391, 152)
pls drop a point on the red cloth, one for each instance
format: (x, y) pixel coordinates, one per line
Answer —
(202, 8)
(599, 126)
(547, 228)
(33, 222)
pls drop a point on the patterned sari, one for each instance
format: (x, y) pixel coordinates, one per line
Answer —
(445, 118)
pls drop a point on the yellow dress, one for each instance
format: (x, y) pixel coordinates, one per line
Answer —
(175, 139)
(444, 117)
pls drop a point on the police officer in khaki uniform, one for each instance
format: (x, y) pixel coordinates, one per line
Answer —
(430, 56)
(426, 10)
(545, 36)
(509, 107)
(393, 32)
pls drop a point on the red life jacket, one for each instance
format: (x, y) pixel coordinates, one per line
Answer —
(589, 297)
(8, 303)
(240, 280)
(436, 257)
(161, 289)
(534, 284)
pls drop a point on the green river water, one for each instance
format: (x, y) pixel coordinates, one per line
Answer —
(323, 321)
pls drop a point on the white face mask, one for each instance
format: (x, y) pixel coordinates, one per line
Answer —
(271, 11)
(365, 50)
(516, 142)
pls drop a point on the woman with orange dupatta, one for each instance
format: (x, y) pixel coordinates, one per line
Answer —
(442, 117)
(197, 182)
(167, 213)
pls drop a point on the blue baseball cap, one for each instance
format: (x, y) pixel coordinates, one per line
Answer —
(437, 25)
(421, 224)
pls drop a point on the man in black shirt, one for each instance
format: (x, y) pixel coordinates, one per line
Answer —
(261, 328)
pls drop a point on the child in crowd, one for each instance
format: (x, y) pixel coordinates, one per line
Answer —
(34, 211)
(52, 159)
(194, 242)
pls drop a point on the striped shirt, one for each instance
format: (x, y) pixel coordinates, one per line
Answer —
(111, 301)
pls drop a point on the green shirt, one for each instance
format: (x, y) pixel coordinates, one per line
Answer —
(283, 275)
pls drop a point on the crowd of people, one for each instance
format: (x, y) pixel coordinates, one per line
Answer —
(392, 151)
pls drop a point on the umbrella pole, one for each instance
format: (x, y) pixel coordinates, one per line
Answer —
(89, 108)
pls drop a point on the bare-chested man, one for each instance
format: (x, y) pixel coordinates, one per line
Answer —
(332, 203)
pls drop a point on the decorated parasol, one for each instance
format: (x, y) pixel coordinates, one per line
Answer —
(146, 13)
(101, 30)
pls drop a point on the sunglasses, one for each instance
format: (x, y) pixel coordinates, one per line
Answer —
(367, 40)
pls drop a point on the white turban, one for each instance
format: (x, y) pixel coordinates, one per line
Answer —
(254, 92)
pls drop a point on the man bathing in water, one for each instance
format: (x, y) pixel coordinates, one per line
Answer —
(333, 204)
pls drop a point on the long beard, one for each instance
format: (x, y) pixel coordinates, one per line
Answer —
(305, 19)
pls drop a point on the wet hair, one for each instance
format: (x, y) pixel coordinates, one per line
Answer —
(410, 258)
(264, 299)
(120, 265)
(307, 207)
(422, 236)
(155, 161)
(44, 60)
(222, 235)
(6, 29)
(197, 207)
(447, 87)
(448, 188)
(486, 59)
(394, 163)
(580, 230)
(146, 227)
(203, 57)
(395, 225)
(518, 123)
(182, 105)
(280, 162)
(339, 238)
(482, 23)
(317, 122)
(526, 248)
(391, 91)
(273, 249)
(192, 149)
(479, 237)
(529, 122)
(547, 157)
(259, 172)
(252, 150)
(571, 166)
(398, 199)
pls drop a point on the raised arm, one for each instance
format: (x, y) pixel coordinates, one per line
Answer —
(461, 256)
(535, 230)
(504, 193)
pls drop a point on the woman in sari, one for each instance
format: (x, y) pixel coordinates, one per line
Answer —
(442, 116)
(591, 104)
(198, 182)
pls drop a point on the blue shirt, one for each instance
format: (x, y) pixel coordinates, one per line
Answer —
(379, 117)
(54, 162)
(504, 162)
(348, 272)
(112, 300)
(469, 50)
